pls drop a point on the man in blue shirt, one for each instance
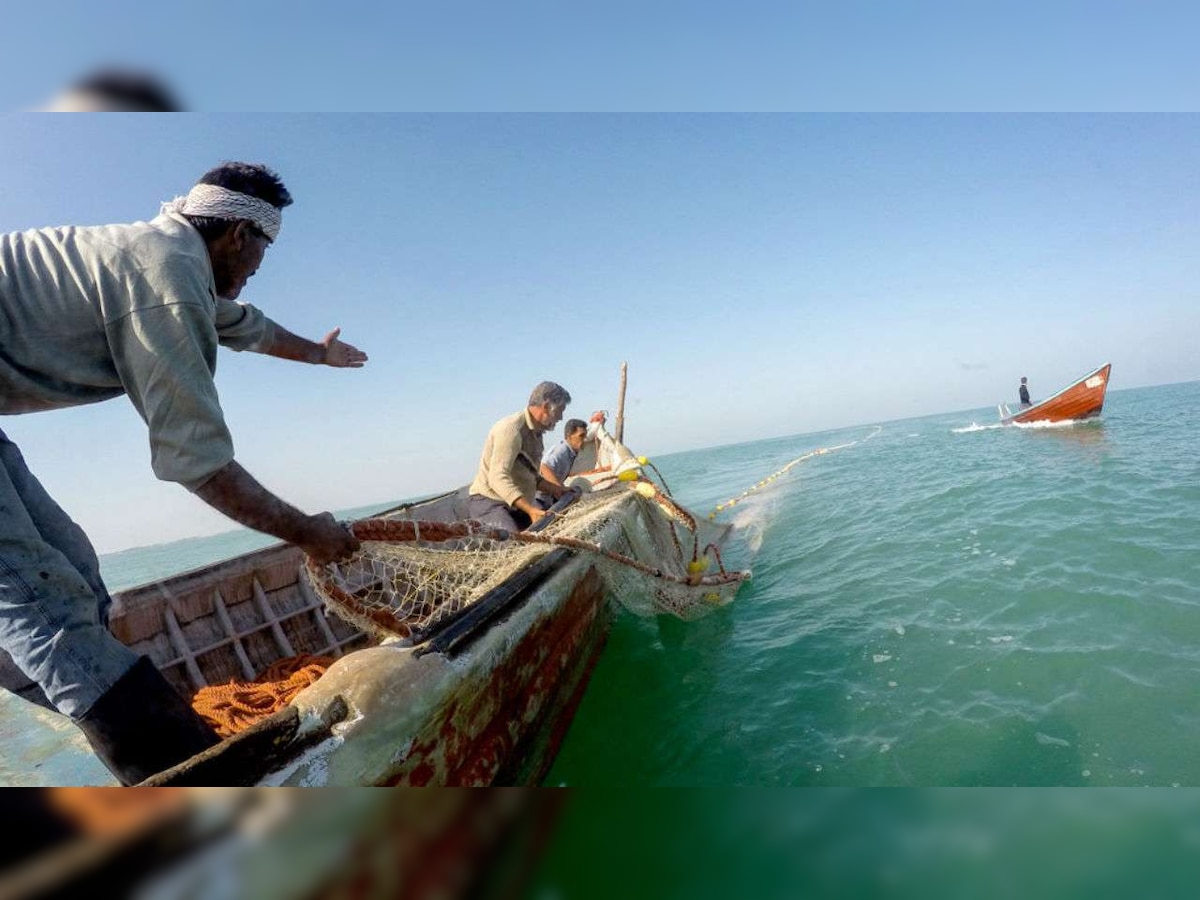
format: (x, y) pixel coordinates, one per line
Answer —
(556, 465)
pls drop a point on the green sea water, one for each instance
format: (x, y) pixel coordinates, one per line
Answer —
(943, 603)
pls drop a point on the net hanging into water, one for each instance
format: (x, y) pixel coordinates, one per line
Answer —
(410, 576)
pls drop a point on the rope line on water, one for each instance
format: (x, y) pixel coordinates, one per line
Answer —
(721, 507)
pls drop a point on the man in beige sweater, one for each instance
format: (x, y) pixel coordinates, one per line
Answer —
(509, 468)
(88, 314)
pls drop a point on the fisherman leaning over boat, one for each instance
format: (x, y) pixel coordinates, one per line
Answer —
(509, 476)
(88, 314)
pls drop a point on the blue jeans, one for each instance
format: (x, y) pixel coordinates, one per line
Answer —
(53, 604)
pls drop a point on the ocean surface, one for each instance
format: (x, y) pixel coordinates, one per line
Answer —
(943, 603)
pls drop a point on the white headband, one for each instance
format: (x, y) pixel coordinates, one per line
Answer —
(222, 203)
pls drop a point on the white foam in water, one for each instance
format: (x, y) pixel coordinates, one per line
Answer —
(752, 518)
(1036, 426)
(1051, 741)
(1065, 423)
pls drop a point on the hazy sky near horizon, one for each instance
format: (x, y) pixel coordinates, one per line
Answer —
(763, 275)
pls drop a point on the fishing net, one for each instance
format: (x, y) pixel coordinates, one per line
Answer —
(409, 576)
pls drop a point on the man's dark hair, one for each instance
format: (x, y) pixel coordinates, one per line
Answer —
(128, 90)
(549, 392)
(574, 425)
(245, 178)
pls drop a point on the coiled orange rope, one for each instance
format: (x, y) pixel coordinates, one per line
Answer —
(235, 706)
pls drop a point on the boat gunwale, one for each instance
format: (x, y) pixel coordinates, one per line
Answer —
(286, 735)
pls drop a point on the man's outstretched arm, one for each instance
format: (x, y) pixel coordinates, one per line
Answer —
(237, 494)
(330, 351)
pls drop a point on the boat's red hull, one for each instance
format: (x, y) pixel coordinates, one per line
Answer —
(1081, 400)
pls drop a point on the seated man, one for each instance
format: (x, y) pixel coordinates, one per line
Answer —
(558, 462)
(509, 469)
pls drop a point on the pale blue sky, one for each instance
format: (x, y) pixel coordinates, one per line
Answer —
(762, 275)
(694, 55)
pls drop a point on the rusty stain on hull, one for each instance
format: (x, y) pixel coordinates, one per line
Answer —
(505, 725)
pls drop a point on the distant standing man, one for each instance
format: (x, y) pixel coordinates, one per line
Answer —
(509, 474)
(88, 314)
(556, 465)
(1025, 404)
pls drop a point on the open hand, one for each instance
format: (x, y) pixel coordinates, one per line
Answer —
(341, 355)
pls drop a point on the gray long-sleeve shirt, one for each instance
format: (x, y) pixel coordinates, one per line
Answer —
(88, 314)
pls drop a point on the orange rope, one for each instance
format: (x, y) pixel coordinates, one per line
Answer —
(235, 706)
(103, 812)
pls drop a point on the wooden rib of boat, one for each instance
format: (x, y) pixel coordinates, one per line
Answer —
(1082, 399)
(485, 700)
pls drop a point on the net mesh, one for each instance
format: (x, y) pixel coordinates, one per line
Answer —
(410, 576)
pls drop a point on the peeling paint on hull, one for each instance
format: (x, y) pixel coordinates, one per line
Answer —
(505, 727)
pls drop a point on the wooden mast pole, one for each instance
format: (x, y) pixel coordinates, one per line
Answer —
(619, 426)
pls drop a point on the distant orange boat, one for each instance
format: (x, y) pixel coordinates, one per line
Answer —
(1081, 400)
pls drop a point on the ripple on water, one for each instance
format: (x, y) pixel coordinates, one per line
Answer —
(995, 606)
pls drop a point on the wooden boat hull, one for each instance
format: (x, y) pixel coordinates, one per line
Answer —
(485, 705)
(486, 700)
(1083, 399)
